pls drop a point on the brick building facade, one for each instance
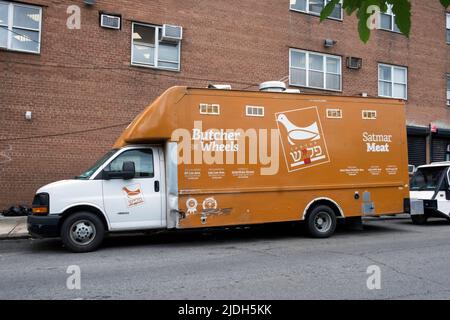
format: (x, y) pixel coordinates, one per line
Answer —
(83, 86)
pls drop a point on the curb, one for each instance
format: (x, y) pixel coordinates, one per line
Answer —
(13, 228)
(21, 236)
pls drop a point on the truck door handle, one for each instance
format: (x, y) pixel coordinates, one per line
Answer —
(156, 186)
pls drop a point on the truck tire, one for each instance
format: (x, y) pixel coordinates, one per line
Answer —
(82, 232)
(420, 219)
(321, 222)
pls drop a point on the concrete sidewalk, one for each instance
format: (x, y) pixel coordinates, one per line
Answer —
(13, 227)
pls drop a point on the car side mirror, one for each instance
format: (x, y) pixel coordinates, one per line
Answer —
(128, 170)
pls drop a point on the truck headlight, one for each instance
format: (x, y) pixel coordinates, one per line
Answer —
(41, 203)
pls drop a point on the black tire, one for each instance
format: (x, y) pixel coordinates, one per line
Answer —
(420, 219)
(82, 232)
(321, 222)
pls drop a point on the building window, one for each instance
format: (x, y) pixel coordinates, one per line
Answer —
(20, 27)
(315, 7)
(387, 20)
(148, 50)
(448, 28)
(448, 89)
(315, 70)
(392, 81)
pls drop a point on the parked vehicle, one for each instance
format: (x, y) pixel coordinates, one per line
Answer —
(430, 192)
(201, 158)
(411, 169)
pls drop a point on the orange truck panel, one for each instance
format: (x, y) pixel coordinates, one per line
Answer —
(236, 169)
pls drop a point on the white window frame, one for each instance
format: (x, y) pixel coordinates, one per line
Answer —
(307, 69)
(334, 113)
(248, 110)
(203, 108)
(448, 90)
(156, 54)
(392, 16)
(10, 27)
(317, 14)
(369, 115)
(447, 22)
(392, 67)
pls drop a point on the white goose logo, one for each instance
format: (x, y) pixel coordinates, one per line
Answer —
(305, 146)
(295, 133)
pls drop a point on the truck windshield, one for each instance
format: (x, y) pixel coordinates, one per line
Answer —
(427, 179)
(89, 172)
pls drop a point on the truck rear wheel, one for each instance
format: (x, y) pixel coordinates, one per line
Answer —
(82, 232)
(419, 219)
(321, 222)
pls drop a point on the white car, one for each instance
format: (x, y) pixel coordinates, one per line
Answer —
(430, 192)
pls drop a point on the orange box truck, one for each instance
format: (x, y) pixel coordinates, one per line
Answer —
(201, 158)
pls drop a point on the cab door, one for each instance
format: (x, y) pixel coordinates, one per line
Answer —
(135, 203)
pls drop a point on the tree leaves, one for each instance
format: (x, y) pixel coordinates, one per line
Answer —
(363, 16)
(367, 14)
(351, 6)
(328, 9)
(402, 11)
(366, 11)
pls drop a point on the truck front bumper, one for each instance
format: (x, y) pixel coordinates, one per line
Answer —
(44, 226)
(421, 206)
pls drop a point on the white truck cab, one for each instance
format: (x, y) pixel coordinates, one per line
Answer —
(430, 192)
(123, 191)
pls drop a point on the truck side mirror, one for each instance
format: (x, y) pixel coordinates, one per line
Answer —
(128, 170)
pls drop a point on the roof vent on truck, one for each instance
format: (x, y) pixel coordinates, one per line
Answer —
(272, 86)
(276, 86)
(219, 86)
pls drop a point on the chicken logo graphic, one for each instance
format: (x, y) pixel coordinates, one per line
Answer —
(302, 138)
(133, 194)
(297, 133)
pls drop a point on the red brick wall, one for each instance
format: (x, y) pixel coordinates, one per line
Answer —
(82, 79)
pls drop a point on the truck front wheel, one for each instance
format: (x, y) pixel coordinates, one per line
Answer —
(321, 222)
(419, 219)
(82, 232)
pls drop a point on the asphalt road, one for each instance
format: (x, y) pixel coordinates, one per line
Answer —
(275, 262)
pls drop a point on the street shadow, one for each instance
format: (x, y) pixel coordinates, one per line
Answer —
(53, 245)
(435, 222)
(237, 235)
(268, 232)
(180, 237)
(204, 237)
(441, 222)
